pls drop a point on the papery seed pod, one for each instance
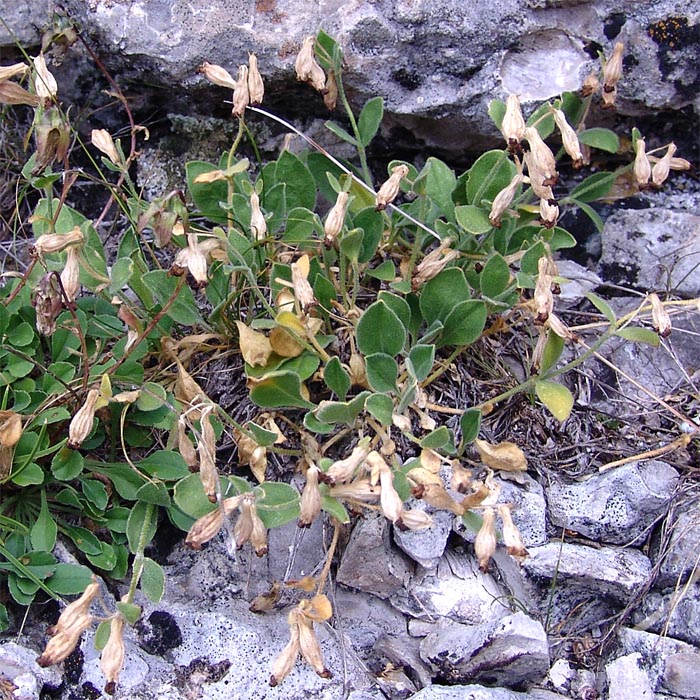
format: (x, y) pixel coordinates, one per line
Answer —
(335, 219)
(307, 68)
(285, 661)
(660, 317)
(205, 529)
(45, 84)
(414, 519)
(48, 303)
(608, 98)
(543, 298)
(511, 535)
(569, 138)
(541, 156)
(536, 179)
(103, 141)
(590, 85)
(303, 291)
(660, 171)
(256, 88)
(513, 124)
(310, 502)
(196, 262)
(13, 94)
(433, 263)
(258, 535)
(344, 469)
(10, 428)
(243, 528)
(73, 613)
(503, 200)
(112, 656)
(185, 446)
(330, 97)
(217, 75)
(390, 189)
(81, 423)
(64, 642)
(538, 352)
(674, 163)
(642, 166)
(437, 496)
(258, 225)
(612, 71)
(549, 213)
(461, 480)
(206, 450)
(360, 490)
(485, 542)
(480, 492)
(560, 328)
(310, 647)
(241, 95)
(56, 242)
(52, 136)
(389, 500)
(70, 275)
(13, 71)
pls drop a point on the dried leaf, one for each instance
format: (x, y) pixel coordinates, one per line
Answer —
(506, 456)
(255, 347)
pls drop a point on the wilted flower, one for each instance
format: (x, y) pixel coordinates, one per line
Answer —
(389, 500)
(303, 291)
(70, 275)
(590, 85)
(241, 93)
(511, 535)
(541, 157)
(285, 661)
(256, 88)
(536, 179)
(612, 71)
(437, 496)
(513, 125)
(81, 423)
(206, 449)
(433, 263)
(48, 302)
(335, 219)
(660, 317)
(569, 138)
(642, 166)
(485, 543)
(549, 213)
(560, 328)
(52, 135)
(217, 75)
(414, 519)
(360, 490)
(660, 171)
(390, 189)
(112, 656)
(193, 259)
(503, 199)
(185, 446)
(310, 647)
(310, 502)
(307, 68)
(56, 242)
(45, 84)
(207, 527)
(13, 94)
(330, 97)
(103, 141)
(344, 469)
(13, 71)
(258, 225)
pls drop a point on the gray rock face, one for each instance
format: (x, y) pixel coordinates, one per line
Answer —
(616, 506)
(18, 665)
(679, 558)
(478, 692)
(652, 249)
(412, 53)
(676, 614)
(508, 652)
(617, 573)
(426, 546)
(367, 566)
(627, 680)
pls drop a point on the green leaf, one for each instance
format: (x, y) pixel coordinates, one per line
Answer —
(152, 580)
(184, 308)
(83, 539)
(279, 504)
(544, 118)
(106, 559)
(552, 351)
(488, 176)
(603, 139)
(95, 492)
(124, 479)
(382, 372)
(594, 187)
(370, 119)
(441, 294)
(556, 397)
(4, 619)
(69, 579)
(464, 324)
(470, 423)
(141, 525)
(422, 359)
(337, 378)
(207, 196)
(385, 271)
(67, 464)
(590, 212)
(341, 411)
(300, 184)
(262, 437)
(380, 330)
(189, 496)
(44, 531)
(381, 407)
(495, 276)
(121, 273)
(639, 335)
(560, 238)
(316, 426)
(437, 439)
(440, 182)
(497, 110)
(334, 507)
(130, 611)
(398, 305)
(152, 397)
(372, 223)
(279, 390)
(301, 228)
(341, 133)
(155, 493)
(351, 244)
(473, 219)
(102, 634)
(602, 306)
(164, 464)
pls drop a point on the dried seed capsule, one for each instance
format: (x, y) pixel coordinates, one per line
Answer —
(285, 661)
(258, 225)
(660, 317)
(433, 263)
(81, 424)
(56, 242)
(511, 535)
(541, 156)
(256, 88)
(112, 657)
(513, 125)
(310, 502)
(45, 84)
(217, 75)
(205, 529)
(503, 200)
(642, 166)
(390, 189)
(549, 213)
(660, 171)
(569, 138)
(612, 72)
(241, 94)
(307, 68)
(335, 219)
(590, 85)
(485, 543)
(103, 141)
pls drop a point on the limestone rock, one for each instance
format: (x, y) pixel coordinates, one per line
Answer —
(426, 546)
(627, 680)
(616, 506)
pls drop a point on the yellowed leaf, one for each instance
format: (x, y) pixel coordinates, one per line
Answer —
(284, 344)
(10, 428)
(255, 346)
(291, 321)
(506, 456)
(423, 477)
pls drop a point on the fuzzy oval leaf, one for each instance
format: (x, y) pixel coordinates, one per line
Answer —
(488, 176)
(141, 514)
(556, 397)
(470, 422)
(495, 276)
(422, 358)
(464, 324)
(334, 507)
(380, 330)
(370, 119)
(300, 190)
(184, 308)
(603, 139)
(381, 407)
(337, 378)
(639, 335)
(279, 390)
(382, 372)
(473, 219)
(279, 504)
(442, 293)
(594, 187)
(152, 580)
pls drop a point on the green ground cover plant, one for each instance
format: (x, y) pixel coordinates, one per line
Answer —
(347, 298)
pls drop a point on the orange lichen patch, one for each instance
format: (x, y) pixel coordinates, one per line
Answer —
(670, 32)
